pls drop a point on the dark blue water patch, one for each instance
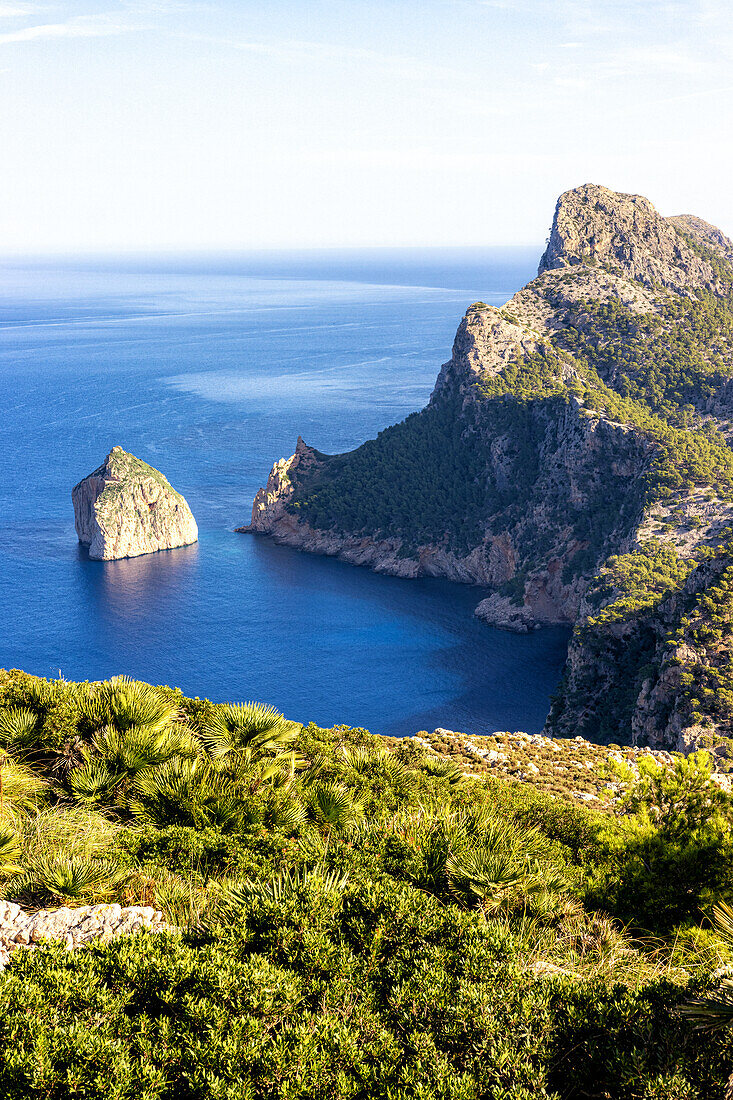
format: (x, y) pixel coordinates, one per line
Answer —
(211, 375)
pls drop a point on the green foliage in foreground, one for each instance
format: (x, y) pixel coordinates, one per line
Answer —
(357, 917)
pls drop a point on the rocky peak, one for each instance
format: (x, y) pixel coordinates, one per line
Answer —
(594, 225)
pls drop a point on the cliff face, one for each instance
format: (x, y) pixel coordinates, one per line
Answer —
(572, 457)
(126, 508)
(626, 234)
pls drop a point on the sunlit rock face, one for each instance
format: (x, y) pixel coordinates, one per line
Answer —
(126, 508)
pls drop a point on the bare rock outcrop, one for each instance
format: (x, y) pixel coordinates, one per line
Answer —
(126, 508)
(501, 612)
(20, 929)
(594, 224)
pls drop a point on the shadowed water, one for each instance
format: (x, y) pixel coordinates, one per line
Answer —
(209, 369)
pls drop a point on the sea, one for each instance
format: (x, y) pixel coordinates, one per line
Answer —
(209, 367)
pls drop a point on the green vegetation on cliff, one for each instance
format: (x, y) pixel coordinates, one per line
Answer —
(356, 915)
(576, 452)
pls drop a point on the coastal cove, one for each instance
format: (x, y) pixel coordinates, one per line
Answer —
(205, 368)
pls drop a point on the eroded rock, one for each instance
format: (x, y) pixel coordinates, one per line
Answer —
(126, 508)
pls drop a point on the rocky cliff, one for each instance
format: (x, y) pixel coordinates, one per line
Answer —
(574, 458)
(126, 508)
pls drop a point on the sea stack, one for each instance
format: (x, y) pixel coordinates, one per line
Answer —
(126, 508)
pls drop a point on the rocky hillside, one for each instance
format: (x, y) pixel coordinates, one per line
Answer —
(574, 458)
(126, 508)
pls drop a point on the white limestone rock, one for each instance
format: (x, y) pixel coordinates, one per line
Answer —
(126, 508)
(74, 927)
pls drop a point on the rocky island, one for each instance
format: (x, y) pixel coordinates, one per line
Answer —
(126, 508)
(574, 457)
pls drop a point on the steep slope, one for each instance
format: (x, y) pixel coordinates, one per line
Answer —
(574, 458)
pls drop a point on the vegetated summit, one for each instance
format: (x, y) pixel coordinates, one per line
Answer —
(575, 457)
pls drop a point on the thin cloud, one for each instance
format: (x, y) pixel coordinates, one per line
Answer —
(14, 11)
(295, 50)
(83, 26)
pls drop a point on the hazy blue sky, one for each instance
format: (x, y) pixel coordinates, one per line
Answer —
(158, 123)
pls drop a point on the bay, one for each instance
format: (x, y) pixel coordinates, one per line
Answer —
(209, 367)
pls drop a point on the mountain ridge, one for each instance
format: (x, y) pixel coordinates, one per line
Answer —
(578, 433)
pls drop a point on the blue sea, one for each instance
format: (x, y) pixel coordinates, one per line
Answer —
(209, 367)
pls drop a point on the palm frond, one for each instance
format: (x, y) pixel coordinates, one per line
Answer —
(480, 875)
(444, 769)
(284, 813)
(723, 919)
(94, 783)
(233, 726)
(73, 878)
(130, 750)
(185, 792)
(332, 807)
(20, 729)
(238, 897)
(708, 1013)
(124, 703)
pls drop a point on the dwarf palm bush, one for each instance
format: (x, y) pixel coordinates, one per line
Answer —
(254, 726)
(69, 878)
(494, 862)
(94, 784)
(716, 1010)
(20, 730)
(129, 751)
(379, 766)
(444, 769)
(63, 854)
(124, 703)
(185, 792)
(283, 811)
(331, 807)
(236, 898)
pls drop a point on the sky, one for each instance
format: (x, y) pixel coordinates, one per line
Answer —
(255, 124)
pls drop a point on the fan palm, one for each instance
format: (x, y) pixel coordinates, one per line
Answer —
(253, 726)
(20, 729)
(284, 813)
(365, 762)
(185, 791)
(129, 751)
(331, 806)
(72, 754)
(502, 862)
(237, 897)
(123, 703)
(94, 783)
(71, 878)
(444, 769)
(716, 1010)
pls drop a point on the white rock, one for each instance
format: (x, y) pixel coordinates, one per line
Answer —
(127, 508)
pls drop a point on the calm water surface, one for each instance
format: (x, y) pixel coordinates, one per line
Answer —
(209, 368)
